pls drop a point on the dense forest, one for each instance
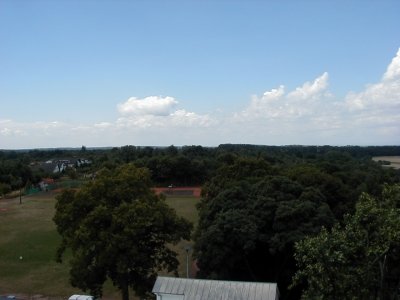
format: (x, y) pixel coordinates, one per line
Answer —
(188, 165)
(258, 202)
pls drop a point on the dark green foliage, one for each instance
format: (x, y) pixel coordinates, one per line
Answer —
(256, 207)
(250, 220)
(359, 260)
(15, 173)
(257, 200)
(4, 188)
(194, 165)
(117, 228)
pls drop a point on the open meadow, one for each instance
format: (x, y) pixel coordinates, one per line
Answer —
(29, 240)
(389, 161)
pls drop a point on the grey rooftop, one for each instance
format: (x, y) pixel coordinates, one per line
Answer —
(204, 289)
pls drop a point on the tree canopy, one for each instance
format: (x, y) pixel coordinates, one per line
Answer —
(250, 220)
(117, 229)
(359, 259)
(258, 201)
(195, 165)
(256, 207)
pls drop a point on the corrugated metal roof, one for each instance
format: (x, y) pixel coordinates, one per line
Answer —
(204, 289)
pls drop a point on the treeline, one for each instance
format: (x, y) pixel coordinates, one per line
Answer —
(194, 165)
(260, 203)
(188, 165)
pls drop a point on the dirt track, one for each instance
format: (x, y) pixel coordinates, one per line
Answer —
(177, 191)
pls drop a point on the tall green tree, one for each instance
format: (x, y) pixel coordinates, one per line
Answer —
(359, 260)
(117, 229)
(250, 220)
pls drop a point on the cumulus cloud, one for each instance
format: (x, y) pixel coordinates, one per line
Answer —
(383, 95)
(189, 119)
(158, 112)
(179, 118)
(311, 90)
(310, 112)
(307, 114)
(376, 109)
(276, 103)
(153, 105)
(393, 70)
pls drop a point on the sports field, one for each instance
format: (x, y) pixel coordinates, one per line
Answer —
(28, 240)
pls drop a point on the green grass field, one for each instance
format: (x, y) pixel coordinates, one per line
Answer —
(27, 231)
(185, 207)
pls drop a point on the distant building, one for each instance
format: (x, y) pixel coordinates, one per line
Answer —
(60, 165)
(169, 288)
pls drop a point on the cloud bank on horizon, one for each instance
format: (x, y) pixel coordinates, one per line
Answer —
(310, 114)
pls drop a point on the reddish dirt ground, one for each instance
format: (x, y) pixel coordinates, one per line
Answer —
(187, 190)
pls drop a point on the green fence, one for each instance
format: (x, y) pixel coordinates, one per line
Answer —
(32, 191)
(64, 184)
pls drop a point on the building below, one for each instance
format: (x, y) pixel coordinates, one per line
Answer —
(170, 288)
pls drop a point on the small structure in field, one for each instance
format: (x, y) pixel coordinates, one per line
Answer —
(169, 288)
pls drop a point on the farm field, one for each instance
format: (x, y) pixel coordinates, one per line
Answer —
(28, 243)
(394, 161)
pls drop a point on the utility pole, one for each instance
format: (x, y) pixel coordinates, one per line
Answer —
(20, 187)
(187, 248)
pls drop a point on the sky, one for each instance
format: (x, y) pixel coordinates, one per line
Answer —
(157, 73)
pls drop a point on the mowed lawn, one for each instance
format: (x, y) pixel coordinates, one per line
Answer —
(185, 207)
(28, 232)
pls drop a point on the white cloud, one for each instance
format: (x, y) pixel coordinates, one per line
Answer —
(157, 112)
(311, 113)
(276, 104)
(8, 128)
(376, 109)
(6, 131)
(393, 70)
(190, 119)
(384, 95)
(179, 118)
(311, 90)
(272, 95)
(153, 105)
(308, 114)
(265, 105)
(136, 123)
(103, 125)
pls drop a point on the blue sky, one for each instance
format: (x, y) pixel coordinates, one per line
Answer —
(112, 73)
